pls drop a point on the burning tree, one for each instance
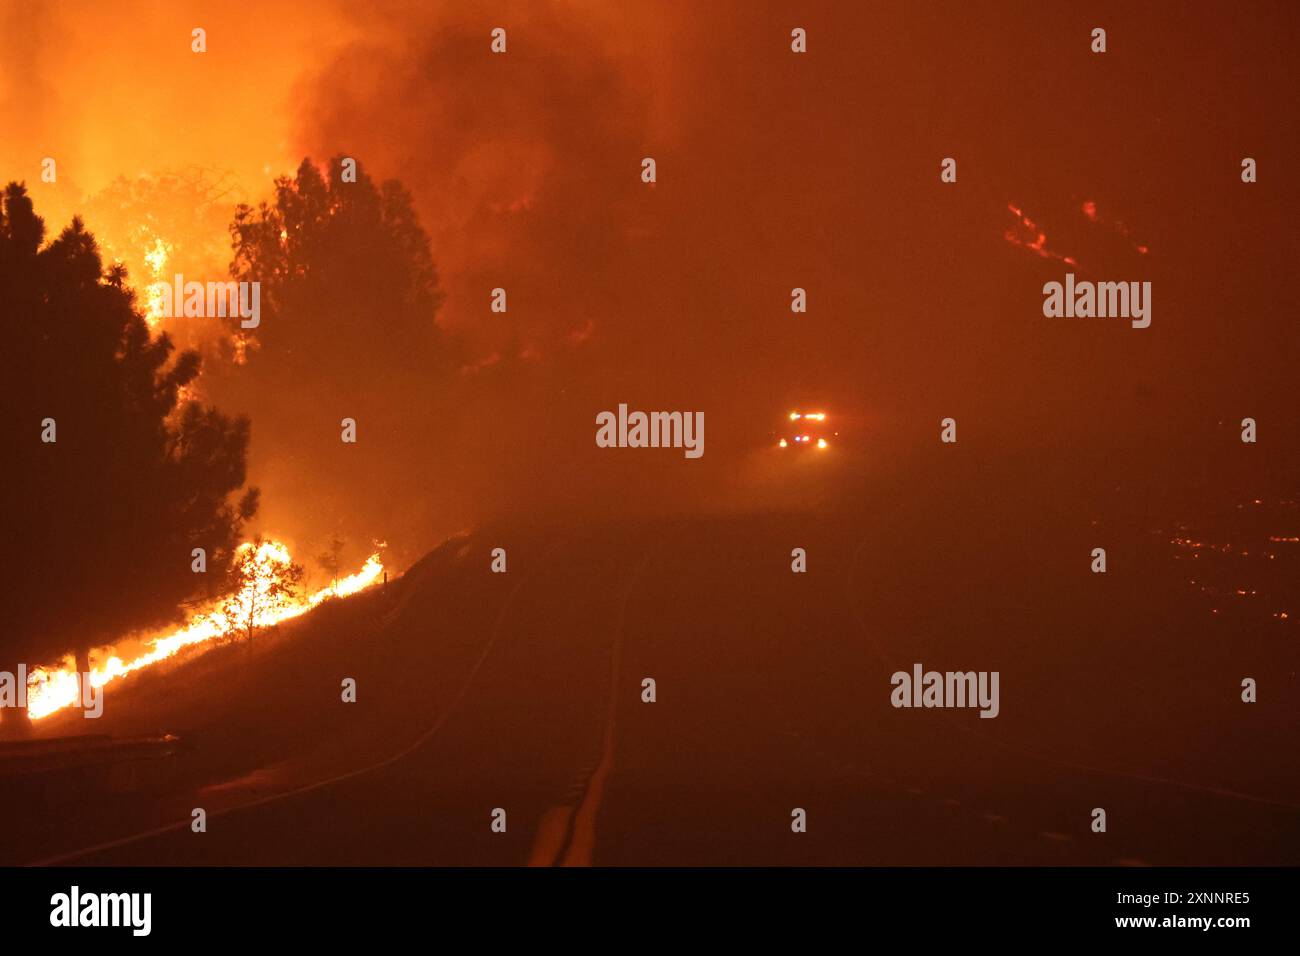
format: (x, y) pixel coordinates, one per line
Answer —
(331, 559)
(265, 583)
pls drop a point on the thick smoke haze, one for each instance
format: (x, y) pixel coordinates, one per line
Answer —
(524, 172)
(677, 295)
(947, 569)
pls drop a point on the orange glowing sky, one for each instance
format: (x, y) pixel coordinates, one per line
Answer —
(116, 101)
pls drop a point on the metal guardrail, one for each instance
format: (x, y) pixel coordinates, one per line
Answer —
(26, 758)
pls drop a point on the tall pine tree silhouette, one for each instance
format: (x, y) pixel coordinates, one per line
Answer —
(101, 522)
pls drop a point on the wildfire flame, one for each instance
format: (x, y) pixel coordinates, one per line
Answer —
(49, 690)
(156, 259)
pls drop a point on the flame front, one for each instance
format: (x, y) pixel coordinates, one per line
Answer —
(156, 259)
(49, 690)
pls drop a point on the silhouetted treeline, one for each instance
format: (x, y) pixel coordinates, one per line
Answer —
(110, 479)
(349, 298)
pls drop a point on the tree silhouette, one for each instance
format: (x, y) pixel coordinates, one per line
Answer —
(331, 559)
(346, 277)
(102, 520)
(349, 297)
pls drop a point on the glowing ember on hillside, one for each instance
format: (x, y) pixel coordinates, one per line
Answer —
(1028, 235)
(51, 690)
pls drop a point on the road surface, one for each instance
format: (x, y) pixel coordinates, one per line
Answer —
(772, 695)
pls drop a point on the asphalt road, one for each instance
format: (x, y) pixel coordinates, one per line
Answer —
(772, 695)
